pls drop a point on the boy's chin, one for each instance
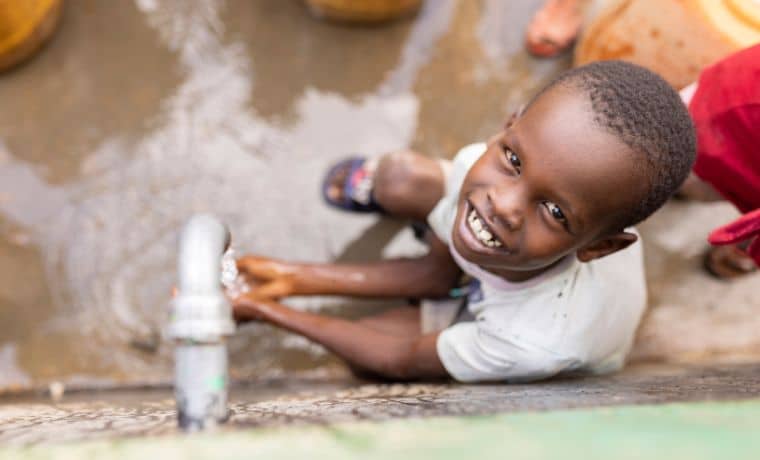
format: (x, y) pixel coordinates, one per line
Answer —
(500, 263)
(482, 257)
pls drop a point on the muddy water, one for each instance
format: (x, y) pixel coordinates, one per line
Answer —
(141, 113)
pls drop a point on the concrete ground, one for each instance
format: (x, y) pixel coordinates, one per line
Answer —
(286, 403)
(674, 431)
(139, 114)
(668, 432)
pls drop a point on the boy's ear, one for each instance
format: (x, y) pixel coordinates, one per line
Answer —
(605, 246)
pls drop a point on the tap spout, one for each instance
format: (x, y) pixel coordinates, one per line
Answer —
(201, 319)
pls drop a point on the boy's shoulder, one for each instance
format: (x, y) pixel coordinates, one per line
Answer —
(469, 154)
(592, 285)
(582, 319)
(582, 310)
(441, 218)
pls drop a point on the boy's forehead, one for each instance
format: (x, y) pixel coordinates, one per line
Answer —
(574, 156)
(561, 104)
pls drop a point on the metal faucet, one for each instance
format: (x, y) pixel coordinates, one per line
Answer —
(201, 319)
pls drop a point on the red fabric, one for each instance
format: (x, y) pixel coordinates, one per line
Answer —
(726, 113)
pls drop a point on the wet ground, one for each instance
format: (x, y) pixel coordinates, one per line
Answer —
(140, 113)
(289, 402)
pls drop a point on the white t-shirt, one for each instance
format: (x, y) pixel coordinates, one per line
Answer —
(576, 317)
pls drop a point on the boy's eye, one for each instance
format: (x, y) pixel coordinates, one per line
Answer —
(555, 211)
(512, 157)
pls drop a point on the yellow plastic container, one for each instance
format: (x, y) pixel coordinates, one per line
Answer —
(362, 11)
(675, 38)
(25, 25)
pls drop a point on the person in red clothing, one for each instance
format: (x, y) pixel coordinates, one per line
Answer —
(725, 106)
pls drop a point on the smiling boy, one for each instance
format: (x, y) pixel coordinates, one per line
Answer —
(539, 218)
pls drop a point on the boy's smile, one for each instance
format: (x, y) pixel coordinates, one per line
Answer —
(482, 230)
(551, 183)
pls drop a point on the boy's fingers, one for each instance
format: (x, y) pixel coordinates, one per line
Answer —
(273, 290)
(246, 263)
(243, 304)
(243, 311)
(259, 267)
(251, 308)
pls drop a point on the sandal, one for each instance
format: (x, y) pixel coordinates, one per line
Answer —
(356, 191)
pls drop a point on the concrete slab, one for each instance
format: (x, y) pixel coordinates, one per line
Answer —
(672, 432)
(288, 402)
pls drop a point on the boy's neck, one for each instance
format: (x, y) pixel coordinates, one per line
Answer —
(506, 276)
(518, 276)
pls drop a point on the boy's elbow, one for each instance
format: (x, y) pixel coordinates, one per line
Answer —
(400, 366)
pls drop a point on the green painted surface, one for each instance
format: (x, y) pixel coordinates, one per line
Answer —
(727, 430)
(217, 383)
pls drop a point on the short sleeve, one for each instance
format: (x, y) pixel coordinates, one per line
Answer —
(471, 354)
(441, 218)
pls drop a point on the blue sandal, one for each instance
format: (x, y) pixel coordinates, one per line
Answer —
(357, 191)
(357, 187)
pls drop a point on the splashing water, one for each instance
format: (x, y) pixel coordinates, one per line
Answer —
(233, 282)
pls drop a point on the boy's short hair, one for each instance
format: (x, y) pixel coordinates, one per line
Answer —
(645, 113)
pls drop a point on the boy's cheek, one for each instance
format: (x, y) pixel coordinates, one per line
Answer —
(545, 249)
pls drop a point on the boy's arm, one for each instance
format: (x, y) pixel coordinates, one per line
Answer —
(432, 275)
(390, 356)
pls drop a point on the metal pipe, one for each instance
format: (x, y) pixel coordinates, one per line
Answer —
(201, 320)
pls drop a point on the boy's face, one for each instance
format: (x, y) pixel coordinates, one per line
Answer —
(550, 184)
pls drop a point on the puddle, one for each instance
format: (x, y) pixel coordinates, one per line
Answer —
(137, 116)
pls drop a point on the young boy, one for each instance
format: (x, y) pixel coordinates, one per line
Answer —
(537, 217)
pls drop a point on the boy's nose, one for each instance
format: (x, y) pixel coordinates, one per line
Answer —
(507, 205)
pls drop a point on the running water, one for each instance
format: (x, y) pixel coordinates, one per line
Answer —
(233, 282)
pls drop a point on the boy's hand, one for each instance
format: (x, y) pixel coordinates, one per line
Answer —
(267, 278)
(248, 308)
(387, 354)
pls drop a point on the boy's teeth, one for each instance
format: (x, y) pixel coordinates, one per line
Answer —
(478, 227)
